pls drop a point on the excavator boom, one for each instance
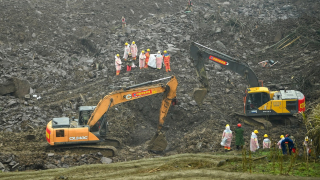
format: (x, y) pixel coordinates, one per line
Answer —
(136, 92)
(201, 54)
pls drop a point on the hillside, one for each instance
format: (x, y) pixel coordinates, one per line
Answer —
(64, 52)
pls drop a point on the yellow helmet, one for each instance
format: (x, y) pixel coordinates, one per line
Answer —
(282, 136)
(165, 51)
(118, 55)
(256, 131)
(126, 44)
(266, 135)
(227, 125)
(142, 51)
(148, 50)
(306, 138)
(133, 42)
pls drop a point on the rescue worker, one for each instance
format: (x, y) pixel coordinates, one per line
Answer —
(142, 59)
(227, 134)
(308, 145)
(239, 137)
(266, 142)
(189, 7)
(126, 53)
(118, 64)
(290, 143)
(129, 62)
(134, 50)
(166, 60)
(279, 142)
(254, 145)
(159, 60)
(147, 58)
(123, 20)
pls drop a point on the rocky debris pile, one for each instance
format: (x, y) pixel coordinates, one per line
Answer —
(66, 53)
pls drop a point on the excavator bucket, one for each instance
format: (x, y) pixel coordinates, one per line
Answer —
(158, 143)
(199, 94)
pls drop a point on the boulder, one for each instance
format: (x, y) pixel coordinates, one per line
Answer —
(105, 160)
(1, 166)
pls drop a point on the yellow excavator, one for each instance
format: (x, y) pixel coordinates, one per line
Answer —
(260, 104)
(91, 127)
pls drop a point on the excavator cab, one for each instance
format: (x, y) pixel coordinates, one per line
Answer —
(255, 100)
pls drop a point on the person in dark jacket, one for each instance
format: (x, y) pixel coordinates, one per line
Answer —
(239, 137)
(290, 143)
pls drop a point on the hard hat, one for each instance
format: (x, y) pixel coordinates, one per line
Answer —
(227, 125)
(266, 135)
(239, 125)
(306, 138)
(165, 51)
(126, 43)
(256, 131)
(282, 136)
(148, 50)
(159, 52)
(142, 51)
(118, 55)
(133, 42)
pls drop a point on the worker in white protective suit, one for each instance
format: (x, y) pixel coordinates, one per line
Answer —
(266, 142)
(118, 64)
(159, 60)
(142, 59)
(134, 50)
(126, 54)
(279, 143)
(254, 145)
(226, 138)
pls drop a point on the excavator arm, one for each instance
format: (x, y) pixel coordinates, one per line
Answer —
(202, 54)
(158, 142)
(136, 92)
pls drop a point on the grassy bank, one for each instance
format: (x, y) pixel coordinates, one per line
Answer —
(182, 166)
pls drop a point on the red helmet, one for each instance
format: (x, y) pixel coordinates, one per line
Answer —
(239, 125)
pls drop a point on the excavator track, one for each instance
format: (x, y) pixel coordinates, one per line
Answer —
(266, 122)
(258, 122)
(107, 151)
(115, 142)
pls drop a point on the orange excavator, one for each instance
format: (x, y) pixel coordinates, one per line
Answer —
(91, 127)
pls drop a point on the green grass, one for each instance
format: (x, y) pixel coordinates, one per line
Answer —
(267, 165)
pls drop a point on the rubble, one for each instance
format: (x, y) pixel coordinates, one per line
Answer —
(55, 55)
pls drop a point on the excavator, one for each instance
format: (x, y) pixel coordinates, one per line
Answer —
(90, 130)
(260, 104)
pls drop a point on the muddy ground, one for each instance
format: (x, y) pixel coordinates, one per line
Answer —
(63, 52)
